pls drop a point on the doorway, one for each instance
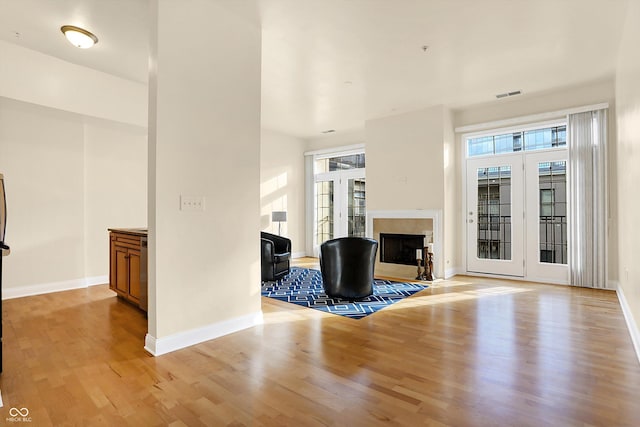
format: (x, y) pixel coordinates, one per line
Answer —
(340, 198)
(516, 216)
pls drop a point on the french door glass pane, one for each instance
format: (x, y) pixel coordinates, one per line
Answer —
(356, 207)
(324, 211)
(494, 213)
(552, 181)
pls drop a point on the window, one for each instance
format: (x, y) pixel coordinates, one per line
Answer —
(546, 202)
(536, 139)
(494, 212)
(552, 184)
(331, 164)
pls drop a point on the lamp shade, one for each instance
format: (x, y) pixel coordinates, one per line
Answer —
(279, 216)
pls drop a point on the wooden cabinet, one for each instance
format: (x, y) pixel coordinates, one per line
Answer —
(128, 259)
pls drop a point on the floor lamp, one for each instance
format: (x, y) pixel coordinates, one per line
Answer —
(279, 217)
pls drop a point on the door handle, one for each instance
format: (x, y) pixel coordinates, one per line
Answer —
(470, 221)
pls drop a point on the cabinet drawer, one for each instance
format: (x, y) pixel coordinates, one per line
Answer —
(127, 245)
(127, 241)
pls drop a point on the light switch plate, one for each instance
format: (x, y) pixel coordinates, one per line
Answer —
(192, 203)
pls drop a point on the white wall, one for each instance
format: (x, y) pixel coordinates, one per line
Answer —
(452, 202)
(30, 76)
(204, 140)
(57, 167)
(115, 186)
(523, 105)
(41, 156)
(628, 172)
(282, 186)
(405, 161)
(340, 138)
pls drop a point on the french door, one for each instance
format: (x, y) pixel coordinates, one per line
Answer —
(495, 215)
(546, 207)
(340, 205)
(517, 215)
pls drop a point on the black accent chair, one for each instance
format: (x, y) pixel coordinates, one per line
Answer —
(347, 265)
(276, 253)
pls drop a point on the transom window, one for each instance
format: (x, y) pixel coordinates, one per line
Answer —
(331, 164)
(529, 140)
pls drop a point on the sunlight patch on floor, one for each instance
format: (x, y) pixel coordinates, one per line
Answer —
(426, 300)
(297, 315)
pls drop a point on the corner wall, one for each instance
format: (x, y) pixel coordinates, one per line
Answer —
(628, 173)
(204, 141)
(452, 201)
(282, 186)
(67, 177)
(115, 182)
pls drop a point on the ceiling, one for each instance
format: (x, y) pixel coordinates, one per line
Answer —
(332, 64)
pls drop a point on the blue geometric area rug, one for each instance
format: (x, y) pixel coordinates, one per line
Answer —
(303, 286)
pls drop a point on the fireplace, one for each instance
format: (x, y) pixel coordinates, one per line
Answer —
(400, 248)
(425, 224)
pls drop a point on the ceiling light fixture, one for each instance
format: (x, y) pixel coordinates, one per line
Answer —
(79, 37)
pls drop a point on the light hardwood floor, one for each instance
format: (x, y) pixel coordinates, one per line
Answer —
(465, 352)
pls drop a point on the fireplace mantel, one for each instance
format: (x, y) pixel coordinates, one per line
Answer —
(434, 215)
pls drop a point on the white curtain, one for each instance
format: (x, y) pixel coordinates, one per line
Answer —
(587, 140)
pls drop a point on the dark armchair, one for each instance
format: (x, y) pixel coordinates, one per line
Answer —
(276, 253)
(347, 266)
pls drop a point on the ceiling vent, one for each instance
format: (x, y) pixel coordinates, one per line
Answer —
(506, 94)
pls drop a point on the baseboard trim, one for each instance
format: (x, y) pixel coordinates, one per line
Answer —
(97, 280)
(632, 326)
(160, 346)
(450, 272)
(542, 280)
(47, 288)
(298, 254)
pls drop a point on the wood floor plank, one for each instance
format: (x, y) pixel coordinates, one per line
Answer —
(464, 352)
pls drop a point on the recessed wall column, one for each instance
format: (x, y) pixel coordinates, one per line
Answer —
(409, 169)
(204, 145)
